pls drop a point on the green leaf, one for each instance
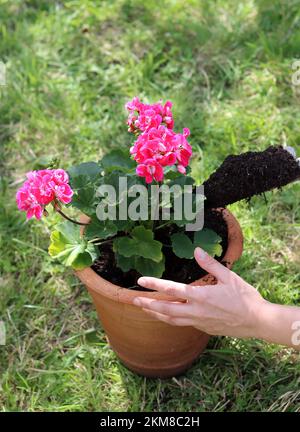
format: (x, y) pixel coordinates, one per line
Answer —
(100, 229)
(145, 267)
(150, 268)
(70, 248)
(171, 172)
(197, 203)
(46, 162)
(90, 170)
(84, 179)
(84, 199)
(182, 180)
(141, 244)
(124, 263)
(124, 225)
(178, 195)
(118, 160)
(182, 245)
(207, 239)
(83, 260)
(112, 179)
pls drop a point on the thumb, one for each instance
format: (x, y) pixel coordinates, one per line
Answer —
(211, 265)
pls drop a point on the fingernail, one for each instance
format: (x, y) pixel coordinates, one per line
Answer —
(137, 302)
(200, 253)
(142, 281)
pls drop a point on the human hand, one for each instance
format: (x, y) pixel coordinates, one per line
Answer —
(232, 307)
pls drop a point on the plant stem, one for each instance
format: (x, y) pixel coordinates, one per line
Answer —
(69, 219)
(105, 241)
(162, 225)
(101, 242)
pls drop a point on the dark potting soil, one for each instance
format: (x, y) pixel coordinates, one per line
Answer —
(248, 174)
(177, 269)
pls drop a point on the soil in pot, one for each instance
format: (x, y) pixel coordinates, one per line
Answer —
(177, 269)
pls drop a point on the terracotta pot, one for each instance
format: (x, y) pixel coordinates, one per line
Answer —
(145, 345)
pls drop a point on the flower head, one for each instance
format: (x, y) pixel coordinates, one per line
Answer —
(164, 146)
(143, 117)
(40, 189)
(157, 145)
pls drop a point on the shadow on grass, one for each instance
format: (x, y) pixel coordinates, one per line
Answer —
(230, 375)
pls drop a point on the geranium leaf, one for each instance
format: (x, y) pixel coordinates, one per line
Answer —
(117, 160)
(84, 179)
(197, 206)
(141, 244)
(207, 239)
(124, 225)
(171, 172)
(70, 248)
(182, 245)
(84, 199)
(182, 180)
(91, 170)
(124, 263)
(145, 267)
(148, 267)
(100, 229)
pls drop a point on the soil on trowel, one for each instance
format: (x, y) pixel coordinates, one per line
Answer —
(252, 173)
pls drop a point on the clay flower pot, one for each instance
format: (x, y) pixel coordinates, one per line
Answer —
(145, 345)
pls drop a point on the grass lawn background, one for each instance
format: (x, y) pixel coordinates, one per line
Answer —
(71, 66)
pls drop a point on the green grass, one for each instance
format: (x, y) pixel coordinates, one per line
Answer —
(71, 65)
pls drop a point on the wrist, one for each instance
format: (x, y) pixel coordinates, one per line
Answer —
(279, 324)
(264, 320)
(274, 323)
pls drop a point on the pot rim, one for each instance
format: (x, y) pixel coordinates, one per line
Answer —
(101, 286)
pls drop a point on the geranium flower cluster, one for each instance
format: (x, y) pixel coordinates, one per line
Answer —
(157, 145)
(143, 117)
(41, 188)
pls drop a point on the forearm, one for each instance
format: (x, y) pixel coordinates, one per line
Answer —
(279, 324)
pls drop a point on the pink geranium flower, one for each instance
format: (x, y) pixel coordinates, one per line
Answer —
(27, 202)
(41, 188)
(143, 117)
(164, 146)
(151, 170)
(157, 145)
(167, 115)
(147, 119)
(62, 192)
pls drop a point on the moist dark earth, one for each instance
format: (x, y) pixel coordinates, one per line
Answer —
(252, 173)
(177, 269)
